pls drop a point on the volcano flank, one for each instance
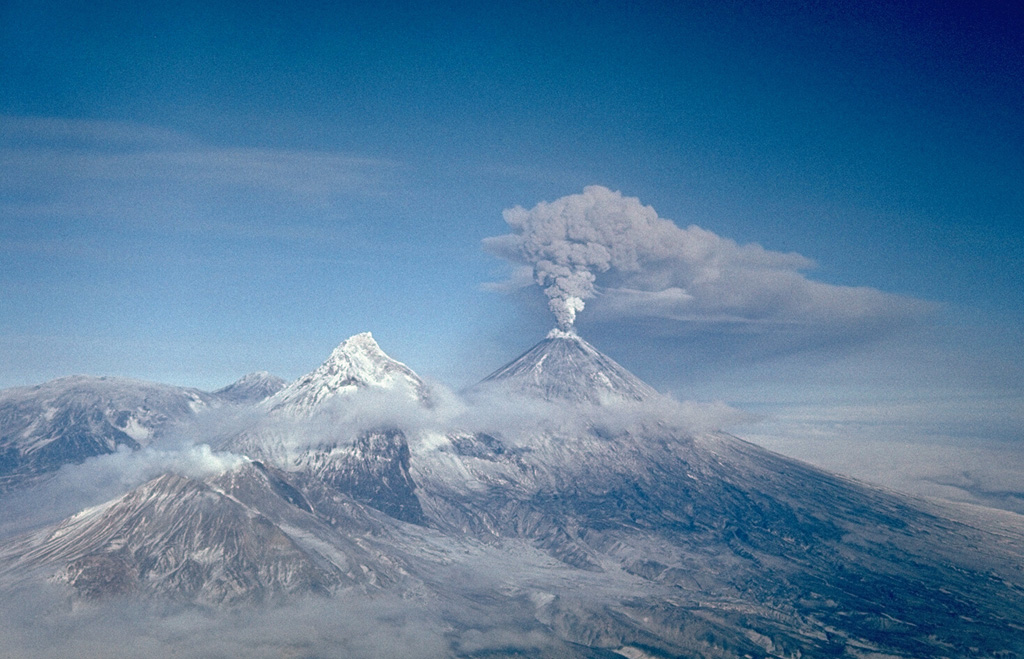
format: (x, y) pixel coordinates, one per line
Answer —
(556, 512)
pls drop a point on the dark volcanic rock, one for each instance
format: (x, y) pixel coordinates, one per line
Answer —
(374, 470)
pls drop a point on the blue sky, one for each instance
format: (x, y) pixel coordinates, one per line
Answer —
(191, 191)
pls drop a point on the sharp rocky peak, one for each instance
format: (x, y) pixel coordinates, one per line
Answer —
(358, 362)
(565, 367)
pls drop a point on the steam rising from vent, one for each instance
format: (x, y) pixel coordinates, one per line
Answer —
(568, 241)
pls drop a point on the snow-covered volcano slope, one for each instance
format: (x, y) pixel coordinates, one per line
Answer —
(598, 471)
(251, 388)
(586, 523)
(566, 368)
(357, 363)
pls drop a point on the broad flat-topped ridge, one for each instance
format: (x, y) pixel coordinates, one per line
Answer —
(71, 419)
(252, 388)
(565, 367)
(98, 387)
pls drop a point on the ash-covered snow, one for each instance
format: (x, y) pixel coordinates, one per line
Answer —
(563, 367)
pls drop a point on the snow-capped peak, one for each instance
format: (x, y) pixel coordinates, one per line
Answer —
(564, 367)
(356, 363)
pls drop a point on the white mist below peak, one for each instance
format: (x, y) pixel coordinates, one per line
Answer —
(559, 333)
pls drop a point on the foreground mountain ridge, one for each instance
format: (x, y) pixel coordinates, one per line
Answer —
(587, 523)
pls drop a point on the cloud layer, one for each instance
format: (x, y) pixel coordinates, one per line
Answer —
(951, 448)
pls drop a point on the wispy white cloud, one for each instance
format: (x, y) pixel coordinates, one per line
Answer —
(48, 131)
(131, 173)
(100, 478)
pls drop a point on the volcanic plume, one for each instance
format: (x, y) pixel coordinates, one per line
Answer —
(570, 240)
(602, 244)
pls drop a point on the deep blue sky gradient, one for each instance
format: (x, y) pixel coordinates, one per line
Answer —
(190, 191)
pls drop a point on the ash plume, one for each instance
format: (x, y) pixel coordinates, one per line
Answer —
(603, 245)
(568, 241)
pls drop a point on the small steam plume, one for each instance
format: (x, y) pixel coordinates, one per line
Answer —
(570, 240)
